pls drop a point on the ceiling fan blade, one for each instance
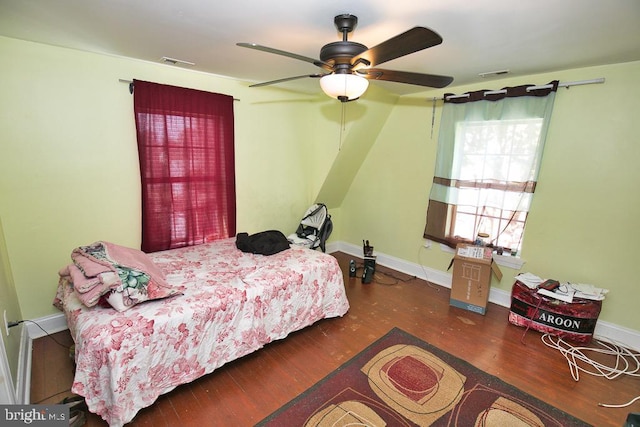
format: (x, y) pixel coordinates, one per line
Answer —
(410, 41)
(316, 62)
(430, 80)
(272, 82)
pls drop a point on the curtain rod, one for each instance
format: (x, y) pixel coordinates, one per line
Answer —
(492, 92)
(130, 83)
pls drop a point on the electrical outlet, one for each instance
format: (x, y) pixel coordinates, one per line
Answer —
(427, 243)
(6, 324)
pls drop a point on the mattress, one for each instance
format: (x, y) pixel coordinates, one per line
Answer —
(233, 304)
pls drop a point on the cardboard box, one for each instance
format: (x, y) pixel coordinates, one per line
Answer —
(473, 267)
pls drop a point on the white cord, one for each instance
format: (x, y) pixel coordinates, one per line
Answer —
(624, 405)
(627, 362)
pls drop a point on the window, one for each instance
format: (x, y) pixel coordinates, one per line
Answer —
(186, 150)
(496, 153)
(487, 167)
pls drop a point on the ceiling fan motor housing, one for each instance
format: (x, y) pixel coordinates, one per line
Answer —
(341, 52)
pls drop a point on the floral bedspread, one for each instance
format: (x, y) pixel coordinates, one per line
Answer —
(234, 304)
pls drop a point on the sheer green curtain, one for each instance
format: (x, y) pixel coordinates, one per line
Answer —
(489, 152)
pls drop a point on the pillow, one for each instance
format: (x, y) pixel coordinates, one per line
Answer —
(138, 287)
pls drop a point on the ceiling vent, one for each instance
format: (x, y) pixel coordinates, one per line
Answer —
(173, 61)
(493, 73)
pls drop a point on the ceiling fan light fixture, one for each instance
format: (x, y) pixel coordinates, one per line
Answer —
(344, 87)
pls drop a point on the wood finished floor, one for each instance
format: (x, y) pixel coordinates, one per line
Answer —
(245, 391)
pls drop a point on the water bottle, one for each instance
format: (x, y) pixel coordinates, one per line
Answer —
(352, 268)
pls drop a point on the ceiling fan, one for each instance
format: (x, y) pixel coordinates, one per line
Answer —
(349, 65)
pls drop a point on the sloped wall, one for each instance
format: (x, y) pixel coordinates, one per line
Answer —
(363, 121)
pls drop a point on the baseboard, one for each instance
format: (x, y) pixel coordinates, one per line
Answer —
(609, 331)
(426, 273)
(47, 325)
(33, 329)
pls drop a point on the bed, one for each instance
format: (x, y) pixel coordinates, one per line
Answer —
(231, 303)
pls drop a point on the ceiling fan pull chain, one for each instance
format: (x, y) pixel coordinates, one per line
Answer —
(433, 116)
(342, 124)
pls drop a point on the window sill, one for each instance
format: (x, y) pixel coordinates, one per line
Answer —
(508, 261)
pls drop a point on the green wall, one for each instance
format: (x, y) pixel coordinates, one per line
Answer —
(583, 222)
(69, 171)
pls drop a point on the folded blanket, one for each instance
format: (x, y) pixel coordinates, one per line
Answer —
(90, 289)
(90, 260)
(119, 275)
(101, 257)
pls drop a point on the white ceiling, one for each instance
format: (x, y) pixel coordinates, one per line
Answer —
(524, 36)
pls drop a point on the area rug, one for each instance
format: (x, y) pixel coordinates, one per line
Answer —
(400, 380)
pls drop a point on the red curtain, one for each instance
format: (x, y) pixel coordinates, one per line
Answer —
(186, 152)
